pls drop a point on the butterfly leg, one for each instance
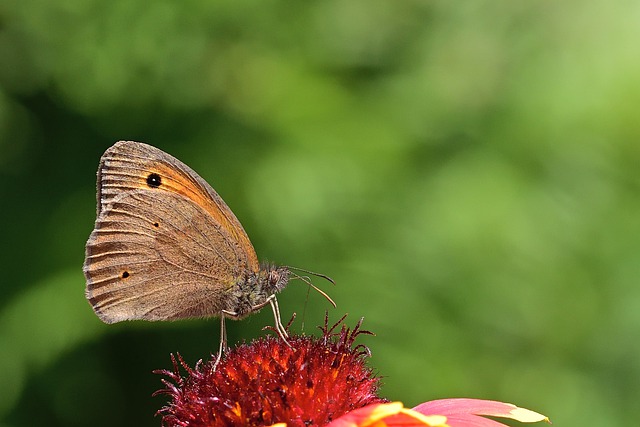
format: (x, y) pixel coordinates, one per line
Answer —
(281, 330)
(273, 302)
(223, 340)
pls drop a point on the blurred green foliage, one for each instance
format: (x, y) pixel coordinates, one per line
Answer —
(468, 172)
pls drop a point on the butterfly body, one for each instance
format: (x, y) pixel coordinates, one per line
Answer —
(255, 290)
(165, 246)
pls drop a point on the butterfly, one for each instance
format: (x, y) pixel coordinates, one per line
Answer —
(165, 246)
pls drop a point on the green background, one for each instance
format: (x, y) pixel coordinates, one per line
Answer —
(467, 172)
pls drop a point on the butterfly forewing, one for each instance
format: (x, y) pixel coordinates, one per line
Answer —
(128, 166)
(156, 255)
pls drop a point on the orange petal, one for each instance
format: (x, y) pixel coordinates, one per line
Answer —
(388, 414)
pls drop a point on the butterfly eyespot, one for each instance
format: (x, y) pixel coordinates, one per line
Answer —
(155, 224)
(154, 180)
(125, 274)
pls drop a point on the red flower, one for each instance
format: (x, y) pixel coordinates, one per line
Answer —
(311, 381)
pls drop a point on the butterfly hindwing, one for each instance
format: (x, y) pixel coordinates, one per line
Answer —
(157, 255)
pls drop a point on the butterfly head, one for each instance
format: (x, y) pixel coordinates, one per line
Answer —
(277, 278)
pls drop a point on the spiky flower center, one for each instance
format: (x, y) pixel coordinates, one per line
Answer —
(310, 382)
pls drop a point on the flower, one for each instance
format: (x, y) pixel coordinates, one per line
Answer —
(307, 381)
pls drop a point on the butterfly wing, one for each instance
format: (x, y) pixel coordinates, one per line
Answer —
(130, 165)
(157, 255)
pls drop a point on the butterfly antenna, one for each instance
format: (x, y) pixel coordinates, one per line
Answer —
(313, 273)
(308, 282)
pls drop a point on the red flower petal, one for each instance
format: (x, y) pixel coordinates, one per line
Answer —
(465, 412)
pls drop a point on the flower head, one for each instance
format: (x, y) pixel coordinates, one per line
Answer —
(308, 381)
(311, 381)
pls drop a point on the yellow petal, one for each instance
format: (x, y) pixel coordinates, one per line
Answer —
(526, 416)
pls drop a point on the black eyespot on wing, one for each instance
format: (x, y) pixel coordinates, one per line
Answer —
(155, 224)
(154, 180)
(125, 274)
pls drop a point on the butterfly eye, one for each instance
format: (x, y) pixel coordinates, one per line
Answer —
(273, 276)
(154, 180)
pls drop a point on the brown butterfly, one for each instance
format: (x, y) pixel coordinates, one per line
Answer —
(165, 246)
